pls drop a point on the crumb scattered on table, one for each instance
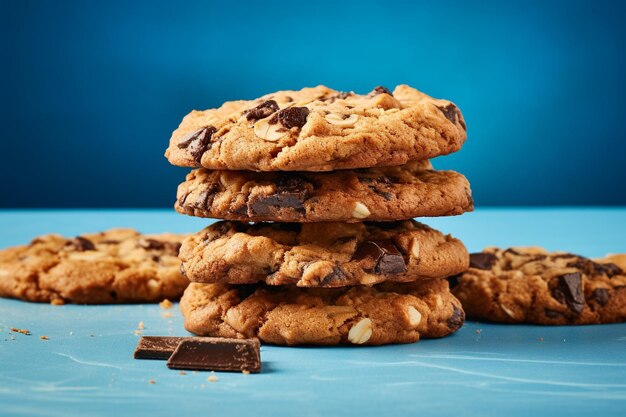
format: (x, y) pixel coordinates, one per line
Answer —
(182, 373)
(152, 382)
(166, 315)
(212, 378)
(23, 331)
(540, 339)
(165, 304)
(44, 337)
(140, 326)
(57, 302)
(245, 372)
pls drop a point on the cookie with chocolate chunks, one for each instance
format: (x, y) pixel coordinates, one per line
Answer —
(320, 254)
(114, 266)
(319, 129)
(376, 194)
(531, 285)
(359, 315)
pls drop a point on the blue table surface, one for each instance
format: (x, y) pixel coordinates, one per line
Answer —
(86, 366)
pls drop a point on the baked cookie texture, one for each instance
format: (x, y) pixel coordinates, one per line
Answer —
(287, 315)
(320, 254)
(115, 266)
(531, 285)
(319, 129)
(375, 194)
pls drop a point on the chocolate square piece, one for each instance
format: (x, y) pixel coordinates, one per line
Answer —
(217, 354)
(156, 347)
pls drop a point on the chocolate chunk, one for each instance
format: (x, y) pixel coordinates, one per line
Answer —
(156, 347)
(380, 90)
(82, 244)
(609, 269)
(263, 110)
(291, 117)
(246, 290)
(345, 94)
(552, 314)
(457, 319)
(452, 113)
(153, 244)
(291, 192)
(335, 278)
(454, 280)
(217, 354)
(589, 267)
(384, 254)
(384, 194)
(482, 260)
(198, 142)
(601, 295)
(569, 291)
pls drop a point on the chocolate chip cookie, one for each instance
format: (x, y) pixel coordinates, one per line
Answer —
(376, 194)
(320, 254)
(319, 129)
(530, 285)
(287, 315)
(116, 266)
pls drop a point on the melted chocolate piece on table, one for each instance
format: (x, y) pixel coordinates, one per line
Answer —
(482, 260)
(385, 255)
(217, 354)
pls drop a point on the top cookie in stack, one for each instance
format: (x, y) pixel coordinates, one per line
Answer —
(320, 155)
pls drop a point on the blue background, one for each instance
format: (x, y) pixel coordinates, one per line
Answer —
(92, 90)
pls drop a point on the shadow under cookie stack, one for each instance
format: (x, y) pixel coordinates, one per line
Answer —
(317, 189)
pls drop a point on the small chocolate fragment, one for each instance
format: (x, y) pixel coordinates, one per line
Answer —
(452, 113)
(263, 110)
(482, 260)
(82, 244)
(156, 347)
(454, 280)
(609, 269)
(569, 291)
(384, 254)
(217, 354)
(198, 142)
(380, 90)
(153, 244)
(291, 117)
(601, 295)
(457, 319)
(335, 278)
(552, 314)
(345, 94)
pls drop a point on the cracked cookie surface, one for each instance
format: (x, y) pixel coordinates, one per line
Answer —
(287, 315)
(319, 129)
(115, 266)
(320, 254)
(530, 285)
(376, 194)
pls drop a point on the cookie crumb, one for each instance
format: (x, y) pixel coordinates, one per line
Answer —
(166, 315)
(165, 304)
(479, 331)
(212, 378)
(140, 326)
(540, 339)
(57, 302)
(44, 337)
(182, 373)
(23, 331)
(138, 332)
(245, 372)
(152, 382)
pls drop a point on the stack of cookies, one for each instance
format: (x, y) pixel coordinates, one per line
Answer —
(317, 189)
